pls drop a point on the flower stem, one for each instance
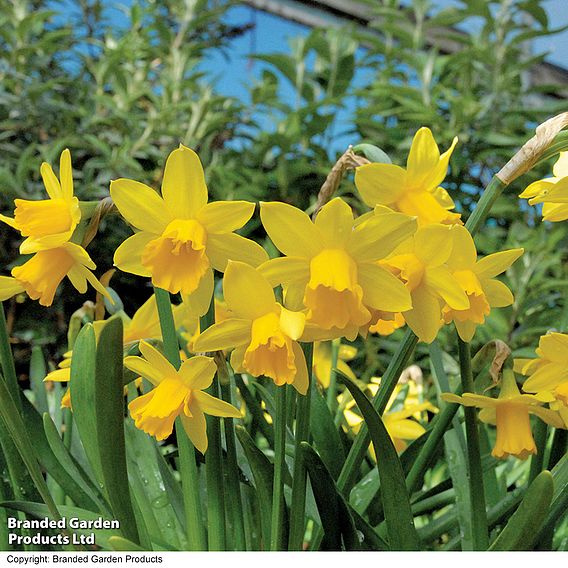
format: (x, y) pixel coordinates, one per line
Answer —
(187, 463)
(278, 503)
(7, 361)
(299, 481)
(235, 499)
(492, 192)
(214, 477)
(479, 531)
(332, 389)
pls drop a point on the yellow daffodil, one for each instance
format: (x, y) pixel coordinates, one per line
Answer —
(263, 333)
(510, 413)
(48, 223)
(477, 279)
(331, 265)
(421, 262)
(176, 393)
(397, 417)
(181, 237)
(415, 190)
(40, 276)
(552, 192)
(549, 371)
(322, 361)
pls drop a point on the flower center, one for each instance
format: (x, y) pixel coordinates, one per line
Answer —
(43, 218)
(270, 351)
(333, 296)
(178, 259)
(41, 275)
(514, 436)
(479, 307)
(411, 269)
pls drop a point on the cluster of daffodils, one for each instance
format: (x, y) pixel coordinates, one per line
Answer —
(408, 261)
(51, 237)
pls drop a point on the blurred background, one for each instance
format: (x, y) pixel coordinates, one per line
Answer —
(270, 93)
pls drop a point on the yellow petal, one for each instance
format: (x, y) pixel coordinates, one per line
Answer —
(198, 302)
(77, 279)
(498, 295)
(196, 428)
(425, 317)
(197, 372)
(183, 187)
(441, 280)
(380, 183)
(335, 219)
(554, 346)
(285, 269)
(143, 368)
(247, 292)
(404, 429)
(301, 380)
(66, 175)
(128, 256)
(433, 244)
(291, 230)
(215, 407)
(224, 247)
(225, 216)
(50, 181)
(536, 188)
(380, 235)
(464, 253)
(9, 287)
(140, 205)
(223, 335)
(292, 323)
(494, 264)
(466, 329)
(549, 416)
(382, 290)
(156, 359)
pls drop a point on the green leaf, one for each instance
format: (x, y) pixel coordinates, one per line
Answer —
(325, 434)
(263, 473)
(123, 545)
(82, 388)
(394, 496)
(74, 482)
(37, 374)
(336, 519)
(521, 532)
(109, 415)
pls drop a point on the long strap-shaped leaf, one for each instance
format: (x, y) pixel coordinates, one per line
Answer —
(109, 397)
(335, 516)
(521, 531)
(394, 495)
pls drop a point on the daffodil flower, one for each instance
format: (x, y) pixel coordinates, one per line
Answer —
(181, 237)
(510, 413)
(552, 192)
(549, 371)
(422, 265)
(176, 393)
(48, 223)
(387, 323)
(322, 361)
(40, 276)
(477, 279)
(415, 190)
(263, 333)
(331, 265)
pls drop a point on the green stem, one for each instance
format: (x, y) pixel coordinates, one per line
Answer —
(7, 361)
(388, 382)
(299, 481)
(332, 389)
(492, 192)
(537, 460)
(214, 478)
(233, 482)
(480, 534)
(278, 503)
(187, 463)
